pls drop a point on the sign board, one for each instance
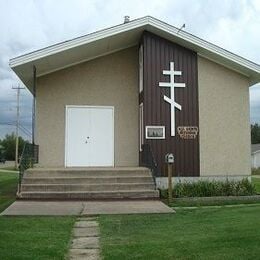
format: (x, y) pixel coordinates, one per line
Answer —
(155, 132)
(188, 132)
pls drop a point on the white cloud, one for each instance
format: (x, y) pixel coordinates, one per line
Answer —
(26, 25)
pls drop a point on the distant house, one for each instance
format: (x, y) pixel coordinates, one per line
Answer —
(255, 155)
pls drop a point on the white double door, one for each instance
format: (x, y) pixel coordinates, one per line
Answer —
(89, 136)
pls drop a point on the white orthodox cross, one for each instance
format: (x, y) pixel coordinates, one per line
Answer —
(172, 85)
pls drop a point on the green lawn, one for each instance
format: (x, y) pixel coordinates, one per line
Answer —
(30, 237)
(256, 182)
(11, 168)
(256, 171)
(35, 237)
(222, 233)
(8, 187)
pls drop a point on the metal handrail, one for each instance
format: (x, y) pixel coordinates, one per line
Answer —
(148, 160)
(28, 158)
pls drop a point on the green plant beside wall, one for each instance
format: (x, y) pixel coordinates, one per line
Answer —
(211, 188)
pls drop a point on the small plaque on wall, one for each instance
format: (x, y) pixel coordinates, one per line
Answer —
(155, 132)
(188, 132)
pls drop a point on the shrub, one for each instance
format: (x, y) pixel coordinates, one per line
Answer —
(211, 188)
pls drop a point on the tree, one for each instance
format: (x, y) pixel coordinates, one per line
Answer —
(8, 144)
(255, 133)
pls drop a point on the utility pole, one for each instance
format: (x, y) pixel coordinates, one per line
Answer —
(18, 88)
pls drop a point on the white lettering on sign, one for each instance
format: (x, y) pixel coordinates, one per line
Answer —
(172, 85)
(188, 132)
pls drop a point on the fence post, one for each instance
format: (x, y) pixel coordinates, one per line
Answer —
(169, 159)
(169, 183)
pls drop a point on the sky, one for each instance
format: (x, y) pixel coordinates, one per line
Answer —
(27, 25)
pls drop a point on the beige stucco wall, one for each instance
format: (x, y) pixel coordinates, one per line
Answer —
(223, 120)
(111, 80)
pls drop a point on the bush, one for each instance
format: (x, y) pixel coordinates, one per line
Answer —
(211, 188)
(8, 145)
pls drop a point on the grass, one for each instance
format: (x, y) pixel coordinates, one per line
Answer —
(256, 171)
(228, 233)
(206, 188)
(8, 187)
(30, 237)
(34, 237)
(256, 182)
(198, 202)
(222, 233)
(9, 168)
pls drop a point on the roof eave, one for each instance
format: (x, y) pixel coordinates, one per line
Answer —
(202, 47)
(56, 48)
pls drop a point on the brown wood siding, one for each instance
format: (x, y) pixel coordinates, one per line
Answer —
(158, 53)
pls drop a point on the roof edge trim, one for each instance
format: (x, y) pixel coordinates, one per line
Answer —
(205, 45)
(63, 46)
(137, 23)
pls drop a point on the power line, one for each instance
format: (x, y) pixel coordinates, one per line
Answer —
(25, 128)
(28, 134)
(7, 123)
(22, 128)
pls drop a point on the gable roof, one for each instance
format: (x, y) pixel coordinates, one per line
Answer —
(255, 148)
(103, 42)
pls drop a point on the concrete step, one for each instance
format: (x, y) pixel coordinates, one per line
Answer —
(88, 183)
(88, 172)
(86, 180)
(134, 194)
(89, 187)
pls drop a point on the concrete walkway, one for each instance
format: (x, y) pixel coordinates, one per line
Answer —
(125, 207)
(84, 208)
(44, 208)
(85, 239)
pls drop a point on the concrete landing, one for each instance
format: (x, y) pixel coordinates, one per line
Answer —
(83, 208)
(126, 207)
(44, 208)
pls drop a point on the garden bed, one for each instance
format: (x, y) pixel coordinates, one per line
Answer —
(214, 201)
(204, 188)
